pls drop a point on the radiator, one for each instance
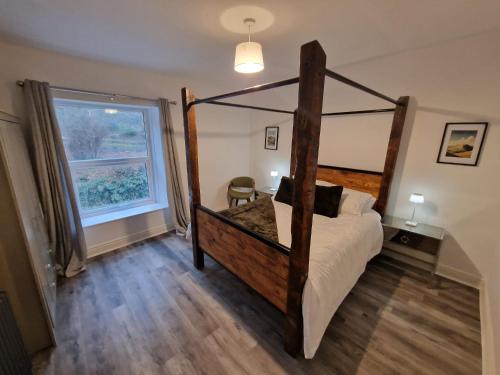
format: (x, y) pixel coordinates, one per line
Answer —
(14, 359)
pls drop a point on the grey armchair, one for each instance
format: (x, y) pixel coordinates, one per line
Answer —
(240, 188)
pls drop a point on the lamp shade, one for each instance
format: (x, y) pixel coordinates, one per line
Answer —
(274, 173)
(417, 198)
(248, 58)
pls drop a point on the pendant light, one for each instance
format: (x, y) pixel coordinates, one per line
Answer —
(248, 57)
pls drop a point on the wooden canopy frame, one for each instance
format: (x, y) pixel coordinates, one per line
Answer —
(276, 272)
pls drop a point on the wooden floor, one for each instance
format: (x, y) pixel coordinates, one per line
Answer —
(146, 310)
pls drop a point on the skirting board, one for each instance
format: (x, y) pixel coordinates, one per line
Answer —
(488, 353)
(488, 350)
(443, 270)
(105, 247)
(459, 276)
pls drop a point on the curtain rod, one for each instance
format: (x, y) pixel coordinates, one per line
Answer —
(21, 83)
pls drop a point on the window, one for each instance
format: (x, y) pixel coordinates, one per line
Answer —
(114, 153)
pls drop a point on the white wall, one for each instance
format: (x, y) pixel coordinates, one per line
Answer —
(223, 134)
(458, 81)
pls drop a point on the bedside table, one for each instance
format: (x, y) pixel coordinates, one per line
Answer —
(266, 190)
(418, 246)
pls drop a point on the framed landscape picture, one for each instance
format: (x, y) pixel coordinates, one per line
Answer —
(271, 141)
(462, 143)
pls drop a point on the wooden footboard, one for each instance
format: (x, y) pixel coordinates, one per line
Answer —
(261, 263)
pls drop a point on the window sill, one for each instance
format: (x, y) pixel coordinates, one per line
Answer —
(122, 214)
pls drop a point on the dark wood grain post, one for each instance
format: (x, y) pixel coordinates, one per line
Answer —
(191, 140)
(307, 123)
(293, 153)
(392, 153)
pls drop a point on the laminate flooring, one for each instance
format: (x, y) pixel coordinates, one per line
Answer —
(145, 309)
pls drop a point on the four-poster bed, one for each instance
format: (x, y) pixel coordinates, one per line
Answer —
(275, 271)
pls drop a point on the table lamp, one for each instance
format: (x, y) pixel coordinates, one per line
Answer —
(415, 198)
(274, 174)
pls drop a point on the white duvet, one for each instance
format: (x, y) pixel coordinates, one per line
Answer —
(340, 249)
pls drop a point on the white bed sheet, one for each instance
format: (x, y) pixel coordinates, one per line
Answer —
(340, 249)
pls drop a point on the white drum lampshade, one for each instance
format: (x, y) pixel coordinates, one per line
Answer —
(248, 58)
(417, 198)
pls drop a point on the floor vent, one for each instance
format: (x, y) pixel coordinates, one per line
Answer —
(14, 359)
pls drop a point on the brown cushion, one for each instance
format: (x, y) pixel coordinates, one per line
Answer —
(285, 191)
(326, 198)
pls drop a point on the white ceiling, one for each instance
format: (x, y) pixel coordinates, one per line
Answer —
(186, 37)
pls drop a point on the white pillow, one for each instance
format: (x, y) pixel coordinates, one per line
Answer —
(369, 204)
(324, 183)
(354, 202)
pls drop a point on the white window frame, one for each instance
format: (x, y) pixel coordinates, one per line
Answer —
(154, 161)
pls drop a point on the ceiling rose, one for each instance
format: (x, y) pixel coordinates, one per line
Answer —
(231, 19)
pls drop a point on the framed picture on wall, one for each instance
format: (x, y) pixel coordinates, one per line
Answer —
(271, 141)
(462, 143)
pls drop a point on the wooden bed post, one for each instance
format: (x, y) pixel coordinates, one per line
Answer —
(191, 140)
(293, 154)
(307, 127)
(392, 153)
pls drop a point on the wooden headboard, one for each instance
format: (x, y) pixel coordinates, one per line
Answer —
(356, 179)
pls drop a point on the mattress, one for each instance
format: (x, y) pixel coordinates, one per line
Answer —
(340, 250)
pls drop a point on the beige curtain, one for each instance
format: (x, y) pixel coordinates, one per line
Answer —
(176, 199)
(54, 180)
